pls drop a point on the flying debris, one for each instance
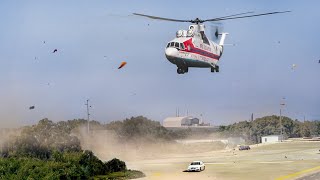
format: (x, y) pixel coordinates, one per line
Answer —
(55, 50)
(293, 66)
(122, 64)
(36, 59)
(31, 107)
(44, 42)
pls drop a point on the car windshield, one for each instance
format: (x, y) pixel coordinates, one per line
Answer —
(195, 163)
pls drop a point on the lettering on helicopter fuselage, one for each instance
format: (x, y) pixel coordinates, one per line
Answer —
(193, 56)
(205, 59)
(204, 47)
(183, 54)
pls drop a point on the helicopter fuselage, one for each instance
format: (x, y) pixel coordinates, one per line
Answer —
(193, 49)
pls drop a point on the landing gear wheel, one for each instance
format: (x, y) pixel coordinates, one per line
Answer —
(217, 68)
(180, 71)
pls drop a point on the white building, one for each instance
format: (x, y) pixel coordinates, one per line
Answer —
(271, 138)
(181, 121)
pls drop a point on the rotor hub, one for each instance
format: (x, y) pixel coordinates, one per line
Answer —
(197, 21)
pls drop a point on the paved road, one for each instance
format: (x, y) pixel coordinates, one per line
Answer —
(314, 176)
(275, 161)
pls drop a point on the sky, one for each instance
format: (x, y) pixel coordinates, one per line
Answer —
(94, 37)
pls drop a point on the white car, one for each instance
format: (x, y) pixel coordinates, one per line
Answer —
(196, 166)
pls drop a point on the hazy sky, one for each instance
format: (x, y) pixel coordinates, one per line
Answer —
(93, 37)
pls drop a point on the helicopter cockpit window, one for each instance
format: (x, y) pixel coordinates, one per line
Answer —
(176, 45)
(181, 46)
(168, 45)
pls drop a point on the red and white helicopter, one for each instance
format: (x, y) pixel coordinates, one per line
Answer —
(192, 48)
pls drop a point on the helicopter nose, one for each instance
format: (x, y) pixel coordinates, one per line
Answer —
(171, 53)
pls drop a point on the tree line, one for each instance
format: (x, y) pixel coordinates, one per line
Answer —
(142, 127)
(45, 137)
(50, 150)
(75, 165)
(53, 150)
(270, 125)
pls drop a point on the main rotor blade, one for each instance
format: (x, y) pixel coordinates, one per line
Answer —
(161, 18)
(264, 14)
(230, 16)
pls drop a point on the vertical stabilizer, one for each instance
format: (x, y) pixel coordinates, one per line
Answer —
(223, 37)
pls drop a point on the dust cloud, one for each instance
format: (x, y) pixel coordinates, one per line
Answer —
(106, 144)
(7, 135)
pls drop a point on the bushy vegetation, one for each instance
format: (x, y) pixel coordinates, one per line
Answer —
(39, 141)
(51, 150)
(137, 127)
(270, 125)
(78, 165)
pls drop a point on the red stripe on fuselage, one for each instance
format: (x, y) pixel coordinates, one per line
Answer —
(198, 51)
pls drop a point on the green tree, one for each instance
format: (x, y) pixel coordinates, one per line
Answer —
(116, 165)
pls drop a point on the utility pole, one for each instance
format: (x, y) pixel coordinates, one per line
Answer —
(88, 119)
(281, 129)
(280, 124)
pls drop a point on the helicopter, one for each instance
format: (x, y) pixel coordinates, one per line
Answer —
(192, 48)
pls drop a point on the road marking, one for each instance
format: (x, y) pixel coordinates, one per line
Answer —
(298, 173)
(156, 174)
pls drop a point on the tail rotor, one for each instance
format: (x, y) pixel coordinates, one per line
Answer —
(215, 31)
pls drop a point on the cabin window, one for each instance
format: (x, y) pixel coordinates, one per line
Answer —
(168, 45)
(181, 46)
(176, 45)
(172, 44)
